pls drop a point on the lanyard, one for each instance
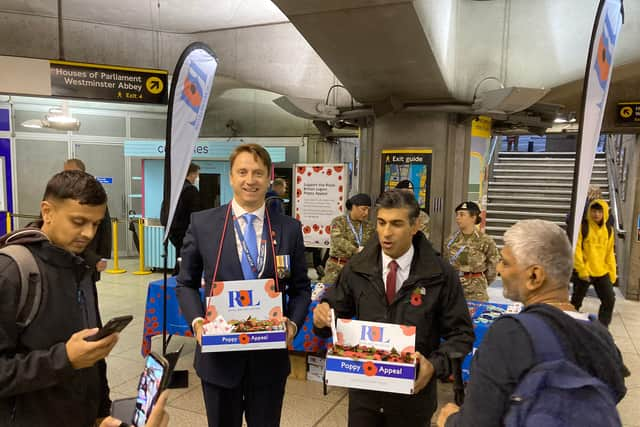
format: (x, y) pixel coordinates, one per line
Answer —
(454, 258)
(358, 236)
(245, 248)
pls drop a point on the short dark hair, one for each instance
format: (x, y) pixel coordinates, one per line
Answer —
(597, 207)
(77, 163)
(75, 185)
(398, 199)
(279, 182)
(193, 168)
(258, 151)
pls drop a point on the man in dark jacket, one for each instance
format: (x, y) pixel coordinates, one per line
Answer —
(49, 374)
(188, 203)
(399, 279)
(536, 265)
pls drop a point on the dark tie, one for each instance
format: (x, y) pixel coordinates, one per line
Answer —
(391, 281)
(250, 239)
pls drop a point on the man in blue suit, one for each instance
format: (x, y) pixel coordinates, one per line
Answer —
(249, 382)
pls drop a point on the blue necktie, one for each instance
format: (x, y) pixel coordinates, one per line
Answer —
(250, 240)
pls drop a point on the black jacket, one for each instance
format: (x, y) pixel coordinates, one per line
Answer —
(506, 354)
(199, 256)
(188, 203)
(443, 324)
(38, 386)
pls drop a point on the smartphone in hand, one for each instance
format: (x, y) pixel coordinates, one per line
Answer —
(153, 381)
(116, 324)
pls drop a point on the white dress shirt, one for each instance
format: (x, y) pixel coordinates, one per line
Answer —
(404, 266)
(238, 211)
(258, 223)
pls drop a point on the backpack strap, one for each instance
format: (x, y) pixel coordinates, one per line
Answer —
(545, 342)
(29, 300)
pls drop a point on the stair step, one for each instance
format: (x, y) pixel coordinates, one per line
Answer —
(545, 165)
(497, 170)
(512, 221)
(532, 198)
(547, 177)
(530, 206)
(531, 184)
(552, 154)
(528, 214)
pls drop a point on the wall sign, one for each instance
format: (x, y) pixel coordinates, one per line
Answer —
(628, 112)
(122, 84)
(218, 150)
(320, 191)
(414, 165)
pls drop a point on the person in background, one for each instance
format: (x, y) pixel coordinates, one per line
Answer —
(472, 253)
(595, 260)
(188, 203)
(99, 250)
(423, 220)
(249, 383)
(349, 235)
(398, 278)
(275, 196)
(535, 269)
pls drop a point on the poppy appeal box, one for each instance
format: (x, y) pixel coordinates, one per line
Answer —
(372, 356)
(244, 315)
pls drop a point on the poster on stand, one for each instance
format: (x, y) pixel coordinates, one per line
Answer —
(320, 191)
(411, 164)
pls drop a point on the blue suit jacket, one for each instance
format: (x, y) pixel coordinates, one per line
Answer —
(199, 253)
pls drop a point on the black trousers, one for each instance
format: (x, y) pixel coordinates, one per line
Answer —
(603, 288)
(261, 405)
(378, 409)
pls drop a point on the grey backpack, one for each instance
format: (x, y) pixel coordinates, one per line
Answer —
(30, 283)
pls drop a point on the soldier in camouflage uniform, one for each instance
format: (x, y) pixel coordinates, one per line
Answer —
(349, 234)
(472, 253)
(423, 218)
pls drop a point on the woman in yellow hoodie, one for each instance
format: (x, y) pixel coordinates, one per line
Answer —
(595, 260)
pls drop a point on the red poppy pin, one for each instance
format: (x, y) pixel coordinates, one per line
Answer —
(416, 297)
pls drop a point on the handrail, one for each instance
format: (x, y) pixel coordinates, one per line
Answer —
(612, 178)
(492, 156)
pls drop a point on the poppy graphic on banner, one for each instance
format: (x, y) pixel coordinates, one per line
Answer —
(192, 90)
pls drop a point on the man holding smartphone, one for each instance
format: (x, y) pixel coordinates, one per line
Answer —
(49, 373)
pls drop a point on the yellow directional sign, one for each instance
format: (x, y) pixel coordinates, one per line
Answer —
(154, 85)
(626, 112)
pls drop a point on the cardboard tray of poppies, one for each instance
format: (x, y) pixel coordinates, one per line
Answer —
(372, 356)
(257, 304)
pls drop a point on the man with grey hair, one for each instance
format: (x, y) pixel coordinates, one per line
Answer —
(535, 268)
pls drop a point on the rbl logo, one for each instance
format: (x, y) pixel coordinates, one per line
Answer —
(192, 88)
(372, 333)
(242, 299)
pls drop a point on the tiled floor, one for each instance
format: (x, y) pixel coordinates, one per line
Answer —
(304, 404)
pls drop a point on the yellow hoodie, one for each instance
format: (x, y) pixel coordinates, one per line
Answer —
(595, 257)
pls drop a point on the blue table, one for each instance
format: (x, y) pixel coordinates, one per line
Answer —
(176, 323)
(483, 314)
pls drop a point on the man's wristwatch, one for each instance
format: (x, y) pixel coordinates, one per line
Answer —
(295, 327)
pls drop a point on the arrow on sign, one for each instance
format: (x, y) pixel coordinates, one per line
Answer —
(155, 84)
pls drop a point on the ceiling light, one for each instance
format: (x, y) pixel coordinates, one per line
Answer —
(33, 124)
(560, 120)
(58, 118)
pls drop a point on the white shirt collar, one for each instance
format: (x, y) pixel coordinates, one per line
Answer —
(404, 261)
(238, 211)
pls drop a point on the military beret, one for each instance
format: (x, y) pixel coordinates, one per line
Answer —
(405, 184)
(472, 207)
